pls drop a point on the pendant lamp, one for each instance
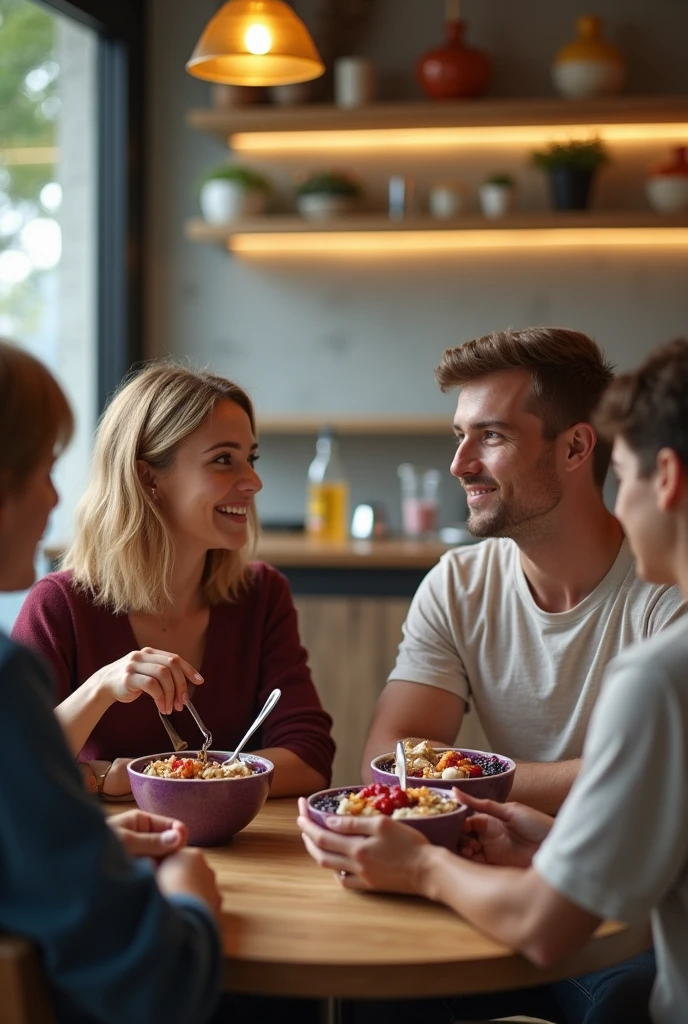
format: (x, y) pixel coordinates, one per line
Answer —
(255, 42)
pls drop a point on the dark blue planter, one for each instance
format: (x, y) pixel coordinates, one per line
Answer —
(571, 188)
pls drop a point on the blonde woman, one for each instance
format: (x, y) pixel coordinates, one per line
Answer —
(158, 600)
(120, 940)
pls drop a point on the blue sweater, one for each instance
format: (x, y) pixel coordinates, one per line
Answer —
(115, 950)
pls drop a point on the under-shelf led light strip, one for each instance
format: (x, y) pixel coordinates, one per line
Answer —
(399, 243)
(380, 139)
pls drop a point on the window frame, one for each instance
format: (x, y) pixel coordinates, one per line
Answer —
(121, 81)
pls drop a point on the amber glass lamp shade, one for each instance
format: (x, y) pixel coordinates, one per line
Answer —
(255, 42)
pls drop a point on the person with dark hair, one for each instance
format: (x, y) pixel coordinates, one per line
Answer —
(522, 626)
(619, 846)
(121, 940)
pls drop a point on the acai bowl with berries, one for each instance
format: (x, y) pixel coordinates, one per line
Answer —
(478, 772)
(215, 800)
(438, 815)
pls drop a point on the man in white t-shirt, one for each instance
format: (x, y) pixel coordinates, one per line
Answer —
(619, 846)
(522, 625)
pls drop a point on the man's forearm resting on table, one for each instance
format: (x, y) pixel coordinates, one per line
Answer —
(293, 777)
(544, 785)
(412, 709)
(513, 905)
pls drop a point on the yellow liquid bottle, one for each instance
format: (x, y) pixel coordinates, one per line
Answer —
(327, 507)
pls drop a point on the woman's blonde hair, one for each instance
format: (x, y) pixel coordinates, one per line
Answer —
(123, 552)
(35, 419)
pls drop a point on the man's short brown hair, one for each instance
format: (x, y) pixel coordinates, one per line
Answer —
(648, 408)
(568, 373)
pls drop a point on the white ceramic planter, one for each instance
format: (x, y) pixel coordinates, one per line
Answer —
(496, 200)
(224, 201)
(323, 206)
(668, 193)
(583, 79)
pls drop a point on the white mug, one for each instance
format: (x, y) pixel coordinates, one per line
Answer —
(354, 81)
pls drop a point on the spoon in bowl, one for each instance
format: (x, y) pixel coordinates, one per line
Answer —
(401, 764)
(267, 708)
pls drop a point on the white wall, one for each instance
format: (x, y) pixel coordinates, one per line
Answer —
(364, 336)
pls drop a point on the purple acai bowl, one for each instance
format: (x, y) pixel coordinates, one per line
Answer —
(213, 810)
(440, 830)
(489, 787)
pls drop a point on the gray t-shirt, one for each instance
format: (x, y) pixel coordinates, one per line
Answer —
(619, 846)
(533, 676)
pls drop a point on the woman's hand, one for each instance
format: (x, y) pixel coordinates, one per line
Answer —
(160, 674)
(366, 852)
(117, 779)
(506, 834)
(148, 835)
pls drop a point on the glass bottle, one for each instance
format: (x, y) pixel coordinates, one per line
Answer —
(327, 512)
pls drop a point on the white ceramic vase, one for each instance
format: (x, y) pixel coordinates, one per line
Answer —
(496, 200)
(224, 200)
(583, 79)
(446, 200)
(668, 193)
(324, 206)
(354, 82)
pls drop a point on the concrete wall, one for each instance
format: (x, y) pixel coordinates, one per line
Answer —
(362, 336)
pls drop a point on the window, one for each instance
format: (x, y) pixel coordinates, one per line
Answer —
(70, 205)
(48, 212)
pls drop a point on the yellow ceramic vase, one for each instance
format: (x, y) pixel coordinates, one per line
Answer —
(589, 65)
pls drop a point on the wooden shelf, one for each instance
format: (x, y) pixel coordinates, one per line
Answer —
(319, 117)
(365, 225)
(356, 426)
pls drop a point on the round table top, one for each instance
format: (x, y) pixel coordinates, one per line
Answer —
(290, 929)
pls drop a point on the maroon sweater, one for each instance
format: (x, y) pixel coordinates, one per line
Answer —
(252, 646)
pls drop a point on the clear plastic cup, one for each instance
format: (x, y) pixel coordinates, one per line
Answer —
(419, 499)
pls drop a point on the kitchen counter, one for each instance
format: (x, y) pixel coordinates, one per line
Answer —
(377, 568)
(293, 550)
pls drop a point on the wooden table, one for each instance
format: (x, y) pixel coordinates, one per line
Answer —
(290, 929)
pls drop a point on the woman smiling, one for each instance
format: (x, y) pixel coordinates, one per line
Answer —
(157, 598)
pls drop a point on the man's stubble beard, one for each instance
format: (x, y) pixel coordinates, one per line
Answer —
(520, 519)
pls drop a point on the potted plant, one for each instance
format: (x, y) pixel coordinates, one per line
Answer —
(571, 167)
(231, 191)
(496, 195)
(326, 194)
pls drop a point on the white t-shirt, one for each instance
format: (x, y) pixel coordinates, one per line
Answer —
(619, 846)
(533, 677)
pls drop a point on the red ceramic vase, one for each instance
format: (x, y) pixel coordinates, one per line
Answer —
(678, 165)
(455, 70)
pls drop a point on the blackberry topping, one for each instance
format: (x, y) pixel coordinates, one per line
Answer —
(328, 804)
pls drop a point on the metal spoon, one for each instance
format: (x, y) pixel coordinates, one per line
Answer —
(267, 708)
(401, 764)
